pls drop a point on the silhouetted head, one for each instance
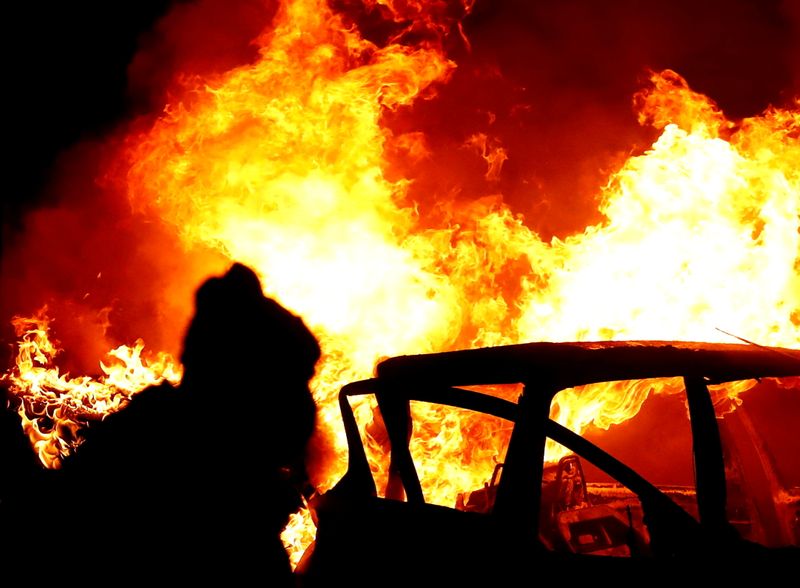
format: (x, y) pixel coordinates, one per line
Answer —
(245, 355)
(238, 334)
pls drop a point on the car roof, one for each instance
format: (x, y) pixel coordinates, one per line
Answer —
(566, 364)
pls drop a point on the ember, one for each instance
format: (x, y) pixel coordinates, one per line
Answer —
(309, 161)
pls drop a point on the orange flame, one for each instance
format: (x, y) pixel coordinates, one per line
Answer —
(54, 407)
(280, 164)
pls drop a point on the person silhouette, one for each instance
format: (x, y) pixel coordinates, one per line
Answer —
(196, 482)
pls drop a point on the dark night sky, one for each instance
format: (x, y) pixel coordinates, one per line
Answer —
(65, 80)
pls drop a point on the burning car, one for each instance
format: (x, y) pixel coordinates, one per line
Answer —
(554, 498)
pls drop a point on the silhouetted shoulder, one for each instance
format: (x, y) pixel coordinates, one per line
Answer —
(116, 449)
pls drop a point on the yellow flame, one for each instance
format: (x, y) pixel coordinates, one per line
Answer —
(54, 406)
(298, 534)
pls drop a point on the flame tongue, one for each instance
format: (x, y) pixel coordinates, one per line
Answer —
(54, 407)
(701, 234)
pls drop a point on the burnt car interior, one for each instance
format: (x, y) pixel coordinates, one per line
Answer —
(530, 513)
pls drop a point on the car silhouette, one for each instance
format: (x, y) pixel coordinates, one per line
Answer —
(585, 515)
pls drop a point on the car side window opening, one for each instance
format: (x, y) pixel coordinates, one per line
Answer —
(761, 449)
(456, 451)
(642, 423)
(375, 441)
(453, 450)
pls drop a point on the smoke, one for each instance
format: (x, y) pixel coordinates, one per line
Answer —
(552, 83)
(199, 38)
(790, 9)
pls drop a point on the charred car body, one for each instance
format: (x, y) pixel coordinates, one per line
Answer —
(532, 517)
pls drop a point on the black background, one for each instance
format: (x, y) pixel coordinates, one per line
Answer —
(65, 80)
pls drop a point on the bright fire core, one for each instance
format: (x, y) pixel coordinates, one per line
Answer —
(281, 164)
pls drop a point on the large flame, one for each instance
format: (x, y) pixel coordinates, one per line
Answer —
(282, 164)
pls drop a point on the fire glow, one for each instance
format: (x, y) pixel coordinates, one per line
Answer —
(281, 164)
